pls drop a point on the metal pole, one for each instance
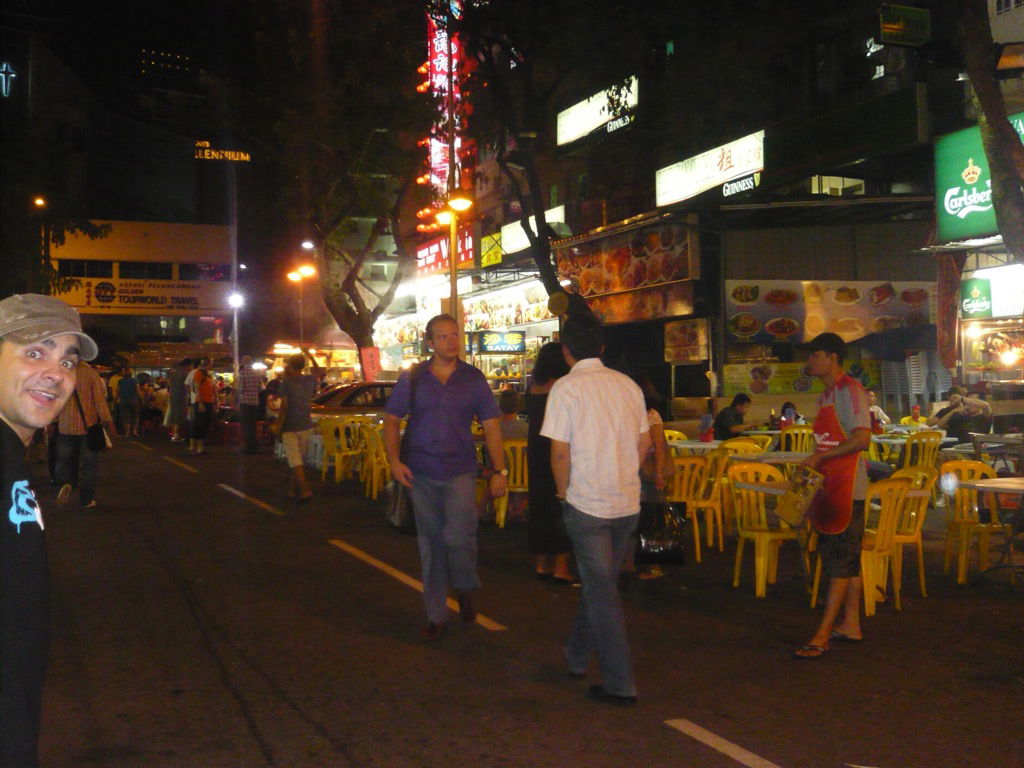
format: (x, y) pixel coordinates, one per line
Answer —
(302, 338)
(234, 334)
(453, 276)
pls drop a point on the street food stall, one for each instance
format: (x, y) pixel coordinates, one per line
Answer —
(501, 355)
(340, 362)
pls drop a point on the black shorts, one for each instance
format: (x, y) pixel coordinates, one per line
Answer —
(840, 552)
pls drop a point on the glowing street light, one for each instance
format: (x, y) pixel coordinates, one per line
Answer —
(308, 245)
(235, 300)
(449, 215)
(298, 276)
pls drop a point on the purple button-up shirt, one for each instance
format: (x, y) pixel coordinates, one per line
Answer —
(439, 443)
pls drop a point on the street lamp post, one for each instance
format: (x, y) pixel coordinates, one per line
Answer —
(298, 276)
(457, 203)
(235, 300)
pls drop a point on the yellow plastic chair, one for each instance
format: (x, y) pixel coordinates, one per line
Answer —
(686, 486)
(674, 434)
(518, 478)
(742, 445)
(710, 498)
(964, 521)
(377, 470)
(921, 450)
(336, 450)
(752, 522)
(764, 442)
(798, 438)
(878, 548)
(911, 521)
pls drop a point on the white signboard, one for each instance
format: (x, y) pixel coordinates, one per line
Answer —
(580, 119)
(113, 296)
(688, 178)
(513, 237)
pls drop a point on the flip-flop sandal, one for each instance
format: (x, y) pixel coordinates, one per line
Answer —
(810, 651)
(844, 638)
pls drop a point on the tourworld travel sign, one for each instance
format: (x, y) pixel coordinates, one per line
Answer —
(963, 184)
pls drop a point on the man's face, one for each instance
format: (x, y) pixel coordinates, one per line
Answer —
(819, 362)
(444, 340)
(742, 408)
(35, 381)
(956, 401)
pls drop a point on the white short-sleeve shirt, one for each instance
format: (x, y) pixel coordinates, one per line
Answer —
(600, 413)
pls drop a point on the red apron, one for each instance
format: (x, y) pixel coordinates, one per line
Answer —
(833, 506)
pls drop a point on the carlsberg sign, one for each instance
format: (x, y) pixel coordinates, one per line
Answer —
(963, 185)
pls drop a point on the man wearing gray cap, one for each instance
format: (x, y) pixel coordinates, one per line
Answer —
(41, 342)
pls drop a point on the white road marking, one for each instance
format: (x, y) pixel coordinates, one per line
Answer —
(251, 499)
(193, 470)
(727, 748)
(143, 446)
(409, 581)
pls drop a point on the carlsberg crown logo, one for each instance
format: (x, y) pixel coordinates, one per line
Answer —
(971, 172)
(961, 202)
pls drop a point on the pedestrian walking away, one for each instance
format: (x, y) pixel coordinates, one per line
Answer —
(599, 433)
(296, 426)
(41, 342)
(441, 397)
(88, 406)
(247, 392)
(842, 431)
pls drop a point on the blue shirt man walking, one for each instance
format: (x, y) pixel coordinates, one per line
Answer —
(440, 464)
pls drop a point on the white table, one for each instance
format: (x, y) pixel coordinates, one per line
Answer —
(772, 457)
(694, 446)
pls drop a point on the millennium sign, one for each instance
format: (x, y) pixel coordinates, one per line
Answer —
(203, 151)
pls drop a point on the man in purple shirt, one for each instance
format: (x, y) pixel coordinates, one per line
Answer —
(440, 465)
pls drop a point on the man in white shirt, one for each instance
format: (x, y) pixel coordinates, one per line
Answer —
(597, 424)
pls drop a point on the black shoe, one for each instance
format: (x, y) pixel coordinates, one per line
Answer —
(467, 612)
(598, 693)
(576, 675)
(433, 631)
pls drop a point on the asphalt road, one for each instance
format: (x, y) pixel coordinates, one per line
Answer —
(194, 627)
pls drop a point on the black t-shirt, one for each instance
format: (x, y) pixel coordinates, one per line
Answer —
(24, 599)
(727, 417)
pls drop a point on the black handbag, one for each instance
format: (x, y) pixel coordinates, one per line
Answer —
(398, 511)
(95, 436)
(661, 534)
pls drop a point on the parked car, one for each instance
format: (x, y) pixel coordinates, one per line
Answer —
(363, 397)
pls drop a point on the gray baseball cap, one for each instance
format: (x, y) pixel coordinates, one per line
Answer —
(28, 318)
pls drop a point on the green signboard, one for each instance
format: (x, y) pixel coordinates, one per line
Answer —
(903, 25)
(975, 298)
(963, 185)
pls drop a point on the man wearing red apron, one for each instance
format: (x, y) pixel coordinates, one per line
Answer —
(842, 431)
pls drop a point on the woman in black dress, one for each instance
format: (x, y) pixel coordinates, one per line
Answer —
(546, 531)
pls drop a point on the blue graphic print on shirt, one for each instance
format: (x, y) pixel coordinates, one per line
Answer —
(24, 507)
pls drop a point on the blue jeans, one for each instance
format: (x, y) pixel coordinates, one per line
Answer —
(446, 526)
(76, 463)
(600, 545)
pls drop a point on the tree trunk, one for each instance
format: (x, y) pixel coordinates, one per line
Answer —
(1002, 144)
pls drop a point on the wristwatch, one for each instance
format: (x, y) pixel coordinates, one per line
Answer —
(503, 472)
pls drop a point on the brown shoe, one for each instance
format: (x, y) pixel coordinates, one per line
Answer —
(467, 612)
(433, 631)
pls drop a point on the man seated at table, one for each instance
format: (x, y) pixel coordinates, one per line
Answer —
(729, 421)
(962, 416)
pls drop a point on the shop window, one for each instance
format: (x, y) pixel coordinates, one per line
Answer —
(205, 272)
(1003, 6)
(85, 268)
(145, 270)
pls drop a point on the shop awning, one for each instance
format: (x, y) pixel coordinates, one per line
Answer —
(894, 343)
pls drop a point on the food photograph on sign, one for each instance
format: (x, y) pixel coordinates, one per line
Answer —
(653, 255)
(797, 311)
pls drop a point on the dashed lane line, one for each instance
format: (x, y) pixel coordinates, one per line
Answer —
(727, 748)
(181, 464)
(409, 581)
(251, 499)
(143, 446)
